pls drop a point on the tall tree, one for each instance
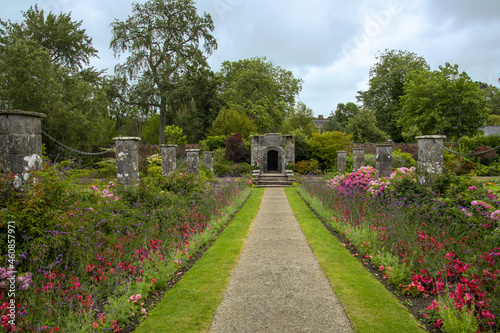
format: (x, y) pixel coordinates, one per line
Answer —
(66, 42)
(444, 102)
(42, 69)
(164, 39)
(386, 86)
(198, 102)
(492, 94)
(340, 118)
(261, 90)
(363, 128)
(230, 121)
(300, 118)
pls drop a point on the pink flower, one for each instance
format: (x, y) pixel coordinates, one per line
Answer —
(474, 203)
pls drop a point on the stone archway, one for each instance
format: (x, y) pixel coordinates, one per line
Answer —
(272, 161)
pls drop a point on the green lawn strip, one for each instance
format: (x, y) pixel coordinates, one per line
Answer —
(191, 305)
(368, 304)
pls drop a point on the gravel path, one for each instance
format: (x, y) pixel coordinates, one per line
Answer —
(278, 286)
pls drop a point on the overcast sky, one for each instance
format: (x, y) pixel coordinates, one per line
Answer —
(330, 44)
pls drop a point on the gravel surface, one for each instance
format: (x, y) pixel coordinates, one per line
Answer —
(278, 286)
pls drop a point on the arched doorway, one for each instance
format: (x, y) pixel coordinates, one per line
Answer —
(272, 161)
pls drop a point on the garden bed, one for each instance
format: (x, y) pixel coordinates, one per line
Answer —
(91, 255)
(436, 244)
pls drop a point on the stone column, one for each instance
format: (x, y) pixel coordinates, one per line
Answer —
(192, 160)
(168, 159)
(255, 150)
(430, 157)
(208, 160)
(384, 160)
(20, 144)
(358, 157)
(127, 160)
(341, 161)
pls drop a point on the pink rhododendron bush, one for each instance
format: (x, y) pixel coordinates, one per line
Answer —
(81, 254)
(440, 242)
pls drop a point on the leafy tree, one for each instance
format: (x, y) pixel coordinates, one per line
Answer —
(163, 39)
(197, 101)
(386, 86)
(236, 150)
(230, 121)
(345, 112)
(150, 130)
(302, 151)
(175, 135)
(212, 143)
(261, 90)
(363, 128)
(492, 94)
(493, 120)
(442, 102)
(46, 75)
(325, 146)
(300, 118)
(67, 44)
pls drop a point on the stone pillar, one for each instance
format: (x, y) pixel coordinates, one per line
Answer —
(192, 160)
(208, 160)
(341, 161)
(384, 160)
(20, 144)
(168, 159)
(358, 157)
(255, 161)
(127, 160)
(289, 146)
(430, 157)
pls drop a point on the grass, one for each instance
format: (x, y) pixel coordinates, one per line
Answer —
(191, 305)
(369, 306)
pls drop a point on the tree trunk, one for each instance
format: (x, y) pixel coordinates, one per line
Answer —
(163, 119)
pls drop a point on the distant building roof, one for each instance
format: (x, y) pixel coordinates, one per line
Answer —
(490, 130)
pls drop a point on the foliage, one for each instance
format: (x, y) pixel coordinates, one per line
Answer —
(492, 98)
(90, 253)
(493, 120)
(435, 242)
(324, 147)
(340, 118)
(387, 79)
(442, 102)
(66, 43)
(230, 121)
(363, 128)
(175, 135)
(197, 101)
(162, 38)
(468, 144)
(402, 159)
(236, 150)
(150, 130)
(302, 151)
(486, 154)
(41, 70)
(261, 90)
(300, 118)
(211, 143)
(306, 167)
